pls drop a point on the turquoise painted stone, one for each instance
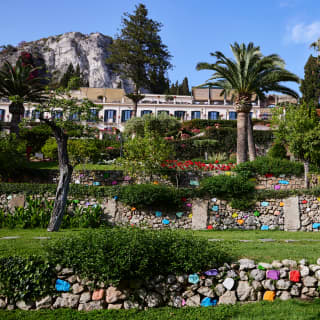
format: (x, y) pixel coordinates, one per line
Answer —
(316, 225)
(96, 183)
(179, 214)
(193, 278)
(158, 213)
(62, 285)
(264, 203)
(283, 182)
(208, 302)
(165, 221)
(215, 208)
(194, 183)
(265, 227)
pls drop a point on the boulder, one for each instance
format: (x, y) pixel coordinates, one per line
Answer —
(229, 297)
(268, 285)
(67, 300)
(285, 295)
(3, 304)
(193, 301)
(246, 264)
(258, 275)
(243, 290)
(130, 305)
(219, 289)
(309, 281)
(22, 305)
(228, 283)
(98, 294)
(283, 284)
(207, 292)
(92, 305)
(44, 303)
(304, 271)
(85, 297)
(116, 306)
(277, 264)
(289, 263)
(153, 299)
(77, 288)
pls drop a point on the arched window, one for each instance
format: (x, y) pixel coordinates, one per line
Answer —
(110, 115)
(213, 115)
(126, 115)
(195, 115)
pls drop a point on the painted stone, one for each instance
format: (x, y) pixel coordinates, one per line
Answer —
(114, 182)
(62, 285)
(189, 205)
(210, 227)
(77, 181)
(211, 272)
(264, 227)
(76, 201)
(240, 221)
(277, 213)
(264, 203)
(115, 197)
(194, 183)
(155, 183)
(256, 213)
(215, 199)
(304, 201)
(273, 274)
(228, 173)
(179, 214)
(234, 215)
(281, 204)
(268, 175)
(228, 283)
(277, 187)
(283, 182)
(318, 199)
(96, 183)
(183, 199)
(316, 225)
(215, 208)
(269, 296)
(308, 209)
(295, 276)
(158, 213)
(193, 278)
(165, 221)
(261, 267)
(127, 178)
(133, 209)
(190, 216)
(208, 302)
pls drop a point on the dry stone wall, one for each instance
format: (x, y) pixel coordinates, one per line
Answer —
(243, 281)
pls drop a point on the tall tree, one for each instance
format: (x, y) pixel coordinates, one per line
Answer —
(185, 87)
(138, 52)
(248, 74)
(19, 84)
(310, 85)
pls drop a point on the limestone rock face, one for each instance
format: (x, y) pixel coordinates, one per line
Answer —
(87, 51)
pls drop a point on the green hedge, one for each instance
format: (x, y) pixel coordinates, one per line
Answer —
(116, 254)
(202, 124)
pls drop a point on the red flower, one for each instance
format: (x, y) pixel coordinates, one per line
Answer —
(217, 161)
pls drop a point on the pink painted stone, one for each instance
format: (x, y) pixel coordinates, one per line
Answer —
(189, 205)
(273, 274)
(98, 294)
(277, 187)
(114, 182)
(277, 213)
(183, 302)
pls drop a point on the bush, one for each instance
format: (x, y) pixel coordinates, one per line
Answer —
(264, 165)
(202, 123)
(130, 254)
(277, 150)
(25, 278)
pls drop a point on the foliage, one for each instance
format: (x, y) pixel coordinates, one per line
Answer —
(203, 123)
(180, 89)
(267, 165)
(128, 254)
(25, 278)
(277, 150)
(162, 125)
(310, 86)
(130, 53)
(73, 79)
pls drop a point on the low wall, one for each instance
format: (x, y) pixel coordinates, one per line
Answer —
(243, 281)
(292, 214)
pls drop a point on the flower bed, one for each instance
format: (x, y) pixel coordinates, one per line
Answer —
(197, 165)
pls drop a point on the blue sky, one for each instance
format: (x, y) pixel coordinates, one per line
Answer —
(191, 29)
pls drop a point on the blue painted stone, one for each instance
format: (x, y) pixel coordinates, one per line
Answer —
(208, 302)
(193, 278)
(265, 227)
(165, 221)
(62, 285)
(115, 197)
(264, 203)
(215, 208)
(194, 182)
(316, 225)
(158, 213)
(283, 182)
(211, 272)
(179, 214)
(96, 183)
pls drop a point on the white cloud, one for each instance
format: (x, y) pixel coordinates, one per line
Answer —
(304, 33)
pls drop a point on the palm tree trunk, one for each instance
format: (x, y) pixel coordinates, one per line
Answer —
(251, 145)
(64, 180)
(242, 139)
(17, 110)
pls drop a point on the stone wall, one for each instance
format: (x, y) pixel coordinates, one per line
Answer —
(291, 214)
(243, 281)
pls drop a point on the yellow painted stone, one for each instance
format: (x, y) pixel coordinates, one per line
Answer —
(269, 296)
(253, 179)
(235, 215)
(190, 216)
(318, 199)
(228, 173)
(281, 204)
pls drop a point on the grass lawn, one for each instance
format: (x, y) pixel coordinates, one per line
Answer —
(277, 310)
(257, 250)
(89, 166)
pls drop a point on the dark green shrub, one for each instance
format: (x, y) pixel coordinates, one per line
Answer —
(264, 165)
(202, 124)
(25, 278)
(129, 254)
(277, 150)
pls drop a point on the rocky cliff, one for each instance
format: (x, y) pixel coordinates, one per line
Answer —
(87, 51)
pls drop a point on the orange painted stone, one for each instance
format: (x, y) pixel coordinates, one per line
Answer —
(269, 296)
(98, 294)
(281, 204)
(240, 221)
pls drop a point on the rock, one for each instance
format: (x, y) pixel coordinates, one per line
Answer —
(258, 275)
(243, 290)
(265, 265)
(153, 300)
(98, 294)
(246, 264)
(141, 293)
(187, 294)
(44, 303)
(318, 261)
(313, 292)
(116, 306)
(182, 279)
(130, 305)
(72, 279)
(277, 264)
(303, 262)
(193, 301)
(161, 288)
(232, 274)
(3, 304)
(317, 274)
(243, 276)
(66, 271)
(175, 287)
(268, 285)
(77, 288)
(67, 300)
(171, 279)
(22, 305)
(228, 297)
(113, 295)
(304, 271)
(295, 291)
(159, 278)
(285, 295)
(283, 284)
(256, 285)
(207, 292)
(314, 267)
(85, 297)
(10, 307)
(309, 281)
(92, 305)
(283, 273)
(176, 302)
(289, 263)
(208, 282)
(228, 283)
(219, 289)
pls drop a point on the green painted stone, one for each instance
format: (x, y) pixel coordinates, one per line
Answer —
(76, 201)
(257, 213)
(261, 268)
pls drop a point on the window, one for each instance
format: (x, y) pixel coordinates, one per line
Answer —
(2, 113)
(251, 113)
(163, 111)
(232, 115)
(126, 115)
(93, 117)
(143, 112)
(179, 114)
(56, 115)
(75, 116)
(27, 114)
(213, 115)
(195, 115)
(35, 114)
(110, 115)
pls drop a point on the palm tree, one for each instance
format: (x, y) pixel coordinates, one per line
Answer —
(248, 75)
(19, 84)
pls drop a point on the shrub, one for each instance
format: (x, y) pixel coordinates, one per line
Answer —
(25, 278)
(277, 150)
(264, 165)
(130, 254)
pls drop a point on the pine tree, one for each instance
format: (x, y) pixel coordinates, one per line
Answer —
(138, 52)
(310, 86)
(67, 76)
(185, 87)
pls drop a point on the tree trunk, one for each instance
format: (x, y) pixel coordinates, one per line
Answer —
(251, 145)
(242, 139)
(17, 110)
(64, 180)
(306, 174)
(134, 110)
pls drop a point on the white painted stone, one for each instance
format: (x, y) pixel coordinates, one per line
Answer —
(228, 283)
